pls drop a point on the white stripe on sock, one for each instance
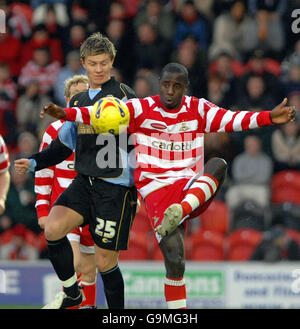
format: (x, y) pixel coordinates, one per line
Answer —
(68, 283)
(177, 283)
(210, 181)
(204, 187)
(180, 303)
(192, 200)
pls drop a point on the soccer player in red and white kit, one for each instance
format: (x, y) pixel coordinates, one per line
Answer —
(50, 183)
(170, 173)
(4, 174)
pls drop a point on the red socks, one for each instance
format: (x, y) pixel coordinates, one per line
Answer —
(89, 291)
(175, 293)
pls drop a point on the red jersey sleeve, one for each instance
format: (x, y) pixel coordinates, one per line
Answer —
(217, 119)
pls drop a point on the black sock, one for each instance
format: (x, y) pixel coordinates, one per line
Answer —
(113, 287)
(61, 257)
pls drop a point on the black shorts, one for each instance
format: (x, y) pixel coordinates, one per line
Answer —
(108, 208)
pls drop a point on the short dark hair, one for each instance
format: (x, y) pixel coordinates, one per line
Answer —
(176, 68)
(97, 44)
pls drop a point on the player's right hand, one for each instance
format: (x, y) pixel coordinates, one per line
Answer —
(53, 110)
(21, 166)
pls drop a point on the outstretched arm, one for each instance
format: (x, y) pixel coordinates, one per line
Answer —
(57, 151)
(53, 154)
(217, 119)
(78, 114)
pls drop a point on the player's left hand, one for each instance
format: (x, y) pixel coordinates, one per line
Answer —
(53, 110)
(22, 166)
(282, 113)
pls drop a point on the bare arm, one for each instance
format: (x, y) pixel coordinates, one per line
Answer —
(4, 186)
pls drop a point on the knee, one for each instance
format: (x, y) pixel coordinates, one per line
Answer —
(52, 231)
(217, 163)
(216, 167)
(106, 260)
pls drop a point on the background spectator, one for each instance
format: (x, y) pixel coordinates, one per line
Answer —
(41, 39)
(191, 22)
(251, 174)
(286, 147)
(150, 50)
(77, 34)
(10, 51)
(20, 202)
(71, 68)
(18, 243)
(230, 30)
(41, 69)
(266, 30)
(154, 13)
(194, 58)
(28, 110)
(275, 246)
(8, 98)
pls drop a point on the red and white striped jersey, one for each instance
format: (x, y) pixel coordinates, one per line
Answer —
(4, 157)
(46, 76)
(51, 182)
(169, 144)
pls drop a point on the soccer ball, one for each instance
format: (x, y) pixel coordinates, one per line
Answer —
(110, 115)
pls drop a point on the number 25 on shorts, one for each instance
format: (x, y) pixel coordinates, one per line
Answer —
(105, 228)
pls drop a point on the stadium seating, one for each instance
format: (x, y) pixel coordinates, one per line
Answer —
(139, 237)
(156, 253)
(285, 187)
(141, 222)
(138, 247)
(207, 245)
(293, 234)
(216, 217)
(241, 244)
(248, 214)
(18, 243)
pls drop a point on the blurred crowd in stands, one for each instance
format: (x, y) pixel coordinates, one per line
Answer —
(239, 55)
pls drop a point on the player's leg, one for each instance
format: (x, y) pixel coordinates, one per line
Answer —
(172, 247)
(107, 264)
(74, 238)
(88, 268)
(62, 220)
(68, 212)
(200, 191)
(88, 279)
(114, 209)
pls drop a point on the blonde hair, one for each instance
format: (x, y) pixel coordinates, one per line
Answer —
(74, 81)
(97, 44)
